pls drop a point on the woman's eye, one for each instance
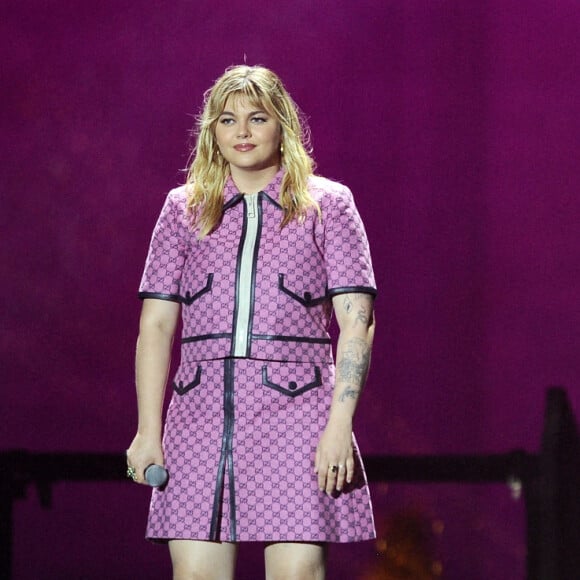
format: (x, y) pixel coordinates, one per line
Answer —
(259, 120)
(226, 121)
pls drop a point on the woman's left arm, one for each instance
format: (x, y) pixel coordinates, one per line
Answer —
(355, 316)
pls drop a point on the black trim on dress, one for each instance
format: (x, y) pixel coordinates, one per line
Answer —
(352, 289)
(272, 200)
(199, 337)
(226, 460)
(236, 199)
(308, 339)
(229, 434)
(160, 296)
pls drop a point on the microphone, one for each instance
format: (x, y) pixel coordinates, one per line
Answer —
(156, 475)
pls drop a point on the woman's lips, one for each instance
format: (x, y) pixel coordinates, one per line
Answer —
(244, 147)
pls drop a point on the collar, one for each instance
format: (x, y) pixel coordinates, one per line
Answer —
(232, 195)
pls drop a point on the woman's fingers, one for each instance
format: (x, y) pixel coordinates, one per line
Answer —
(350, 468)
(333, 475)
(333, 462)
(327, 474)
(133, 471)
(322, 476)
(138, 459)
(340, 476)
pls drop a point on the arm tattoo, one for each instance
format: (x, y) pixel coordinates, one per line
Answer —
(349, 393)
(363, 305)
(362, 315)
(347, 304)
(353, 366)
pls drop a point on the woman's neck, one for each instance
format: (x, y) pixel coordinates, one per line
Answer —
(253, 181)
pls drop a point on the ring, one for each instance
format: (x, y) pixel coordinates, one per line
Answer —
(131, 473)
(333, 468)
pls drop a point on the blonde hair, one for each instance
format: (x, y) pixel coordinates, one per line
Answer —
(209, 171)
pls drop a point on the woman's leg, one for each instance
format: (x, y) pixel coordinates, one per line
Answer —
(197, 560)
(295, 561)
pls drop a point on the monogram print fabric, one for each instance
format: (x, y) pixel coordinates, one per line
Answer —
(254, 384)
(276, 497)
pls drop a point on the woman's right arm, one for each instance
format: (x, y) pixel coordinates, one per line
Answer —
(156, 331)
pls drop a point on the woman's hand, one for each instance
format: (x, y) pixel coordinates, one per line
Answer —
(142, 453)
(334, 462)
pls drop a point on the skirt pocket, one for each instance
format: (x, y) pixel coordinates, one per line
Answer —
(182, 387)
(294, 386)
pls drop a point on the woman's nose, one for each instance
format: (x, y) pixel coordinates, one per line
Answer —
(243, 130)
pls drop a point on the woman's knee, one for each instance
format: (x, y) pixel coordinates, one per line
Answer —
(297, 572)
(196, 560)
(295, 561)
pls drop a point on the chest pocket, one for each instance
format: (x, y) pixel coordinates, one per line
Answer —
(191, 298)
(306, 299)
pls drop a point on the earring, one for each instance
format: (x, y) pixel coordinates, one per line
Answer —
(281, 148)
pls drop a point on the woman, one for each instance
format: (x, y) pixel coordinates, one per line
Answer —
(254, 251)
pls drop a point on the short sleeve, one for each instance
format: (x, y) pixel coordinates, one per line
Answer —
(346, 247)
(167, 252)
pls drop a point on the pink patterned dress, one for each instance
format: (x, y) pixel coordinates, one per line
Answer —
(253, 389)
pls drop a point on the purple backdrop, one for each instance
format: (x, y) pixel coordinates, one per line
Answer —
(456, 123)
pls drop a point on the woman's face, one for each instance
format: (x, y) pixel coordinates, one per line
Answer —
(247, 136)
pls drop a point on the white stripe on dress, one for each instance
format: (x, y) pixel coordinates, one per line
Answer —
(245, 288)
